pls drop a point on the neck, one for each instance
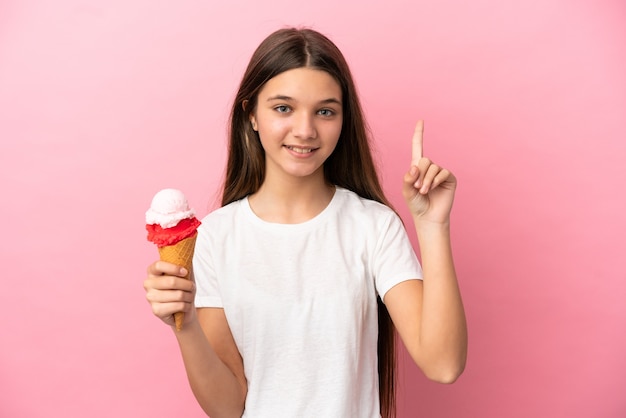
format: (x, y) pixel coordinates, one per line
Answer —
(291, 200)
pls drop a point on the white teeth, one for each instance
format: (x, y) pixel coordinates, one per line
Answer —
(300, 150)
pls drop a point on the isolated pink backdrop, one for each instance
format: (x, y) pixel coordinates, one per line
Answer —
(104, 103)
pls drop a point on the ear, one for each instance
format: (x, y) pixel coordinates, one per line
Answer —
(253, 122)
(244, 104)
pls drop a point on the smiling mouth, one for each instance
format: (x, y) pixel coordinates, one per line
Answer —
(300, 150)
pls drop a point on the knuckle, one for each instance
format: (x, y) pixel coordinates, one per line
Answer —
(157, 310)
(150, 296)
(171, 282)
(154, 268)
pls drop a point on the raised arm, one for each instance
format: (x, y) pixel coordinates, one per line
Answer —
(429, 314)
(213, 363)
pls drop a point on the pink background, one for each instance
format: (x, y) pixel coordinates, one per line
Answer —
(104, 103)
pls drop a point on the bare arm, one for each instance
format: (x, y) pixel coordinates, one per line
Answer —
(213, 363)
(429, 314)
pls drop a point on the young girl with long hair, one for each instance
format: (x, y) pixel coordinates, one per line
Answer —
(305, 273)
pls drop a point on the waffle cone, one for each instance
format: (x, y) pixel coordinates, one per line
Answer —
(180, 254)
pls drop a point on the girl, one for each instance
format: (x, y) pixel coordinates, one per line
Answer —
(305, 272)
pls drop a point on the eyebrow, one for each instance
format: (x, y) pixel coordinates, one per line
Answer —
(291, 99)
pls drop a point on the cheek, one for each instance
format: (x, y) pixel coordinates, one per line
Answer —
(334, 131)
(273, 128)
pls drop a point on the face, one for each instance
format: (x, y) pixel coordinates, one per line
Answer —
(298, 117)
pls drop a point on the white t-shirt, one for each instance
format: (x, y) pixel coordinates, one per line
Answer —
(300, 300)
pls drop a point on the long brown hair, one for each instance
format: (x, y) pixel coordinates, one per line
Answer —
(349, 166)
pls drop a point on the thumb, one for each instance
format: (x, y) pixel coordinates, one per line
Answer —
(408, 186)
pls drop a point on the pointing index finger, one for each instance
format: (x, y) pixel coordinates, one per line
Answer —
(418, 142)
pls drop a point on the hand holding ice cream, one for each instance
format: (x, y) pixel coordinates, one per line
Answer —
(172, 226)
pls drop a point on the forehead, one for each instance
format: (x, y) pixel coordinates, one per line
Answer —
(302, 84)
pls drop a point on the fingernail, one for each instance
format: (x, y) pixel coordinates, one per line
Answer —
(183, 271)
(413, 170)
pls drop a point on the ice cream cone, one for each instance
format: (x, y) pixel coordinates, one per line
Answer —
(180, 254)
(173, 227)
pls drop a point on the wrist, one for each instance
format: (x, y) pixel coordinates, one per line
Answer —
(428, 226)
(189, 323)
(431, 234)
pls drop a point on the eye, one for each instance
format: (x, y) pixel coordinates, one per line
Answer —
(326, 112)
(282, 109)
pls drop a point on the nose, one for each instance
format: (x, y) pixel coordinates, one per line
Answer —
(304, 126)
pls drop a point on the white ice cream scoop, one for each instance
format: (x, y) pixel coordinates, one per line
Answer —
(169, 206)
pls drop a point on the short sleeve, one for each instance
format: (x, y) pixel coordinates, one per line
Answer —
(207, 287)
(394, 259)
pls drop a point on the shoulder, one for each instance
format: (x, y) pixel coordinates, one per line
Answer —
(359, 213)
(363, 207)
(222, 217)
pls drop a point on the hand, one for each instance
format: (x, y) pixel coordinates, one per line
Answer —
(168, 292)
(428, 188)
